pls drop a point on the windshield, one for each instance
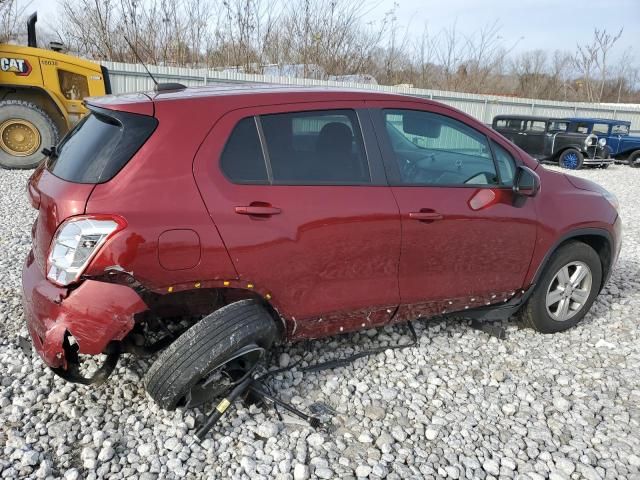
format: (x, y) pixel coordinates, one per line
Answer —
(96, 149)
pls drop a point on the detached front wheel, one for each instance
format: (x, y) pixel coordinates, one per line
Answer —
(211, 357)
(566, 289)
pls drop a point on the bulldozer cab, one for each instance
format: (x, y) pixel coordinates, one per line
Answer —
(41, 97)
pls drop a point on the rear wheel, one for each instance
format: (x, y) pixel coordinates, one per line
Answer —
(634, 159)
(571, 159)
(212, 356)
(566, 289)
(25, 129)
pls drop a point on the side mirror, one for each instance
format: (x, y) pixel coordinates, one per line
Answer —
(526, 182)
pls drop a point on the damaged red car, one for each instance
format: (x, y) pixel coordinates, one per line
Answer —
(211, 223)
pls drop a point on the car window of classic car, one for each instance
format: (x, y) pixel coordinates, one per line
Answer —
(620, 129)
(580, 127)
(600, 129)
(535, 126)
(558, 126)
(515, 124)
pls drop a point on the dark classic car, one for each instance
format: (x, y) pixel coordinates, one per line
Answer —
(624, 148)
(550, 140)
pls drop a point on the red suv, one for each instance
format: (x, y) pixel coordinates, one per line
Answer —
(217, 221)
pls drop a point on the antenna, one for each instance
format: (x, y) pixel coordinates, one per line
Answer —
(140, 60)
(159, 87)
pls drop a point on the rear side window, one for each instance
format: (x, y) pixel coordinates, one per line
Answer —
(242, 160)
(100, 145)
(316, 148)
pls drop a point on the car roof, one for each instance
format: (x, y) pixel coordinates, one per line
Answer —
(598, 120)
(274, 93)
(523, 117)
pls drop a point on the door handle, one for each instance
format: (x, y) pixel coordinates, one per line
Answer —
(259, 210)
(425, 216)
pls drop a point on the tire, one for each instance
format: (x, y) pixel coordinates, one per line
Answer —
(634, 159)
(571, 159)
(207, 344)
(31, 117)
(536, 315)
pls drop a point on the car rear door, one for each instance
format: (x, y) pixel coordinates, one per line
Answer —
(466, 240)
(302, 204)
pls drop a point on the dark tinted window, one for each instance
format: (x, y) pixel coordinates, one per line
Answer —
(316, 148)
(100, 145)
(432, 149)
(242, 159)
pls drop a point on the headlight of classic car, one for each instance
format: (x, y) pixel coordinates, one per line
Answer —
(602, 142)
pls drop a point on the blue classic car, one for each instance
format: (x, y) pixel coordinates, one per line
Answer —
(624, 148)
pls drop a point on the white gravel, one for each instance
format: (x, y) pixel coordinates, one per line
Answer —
(460, 405)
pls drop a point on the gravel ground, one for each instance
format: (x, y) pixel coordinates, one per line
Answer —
(459, 405)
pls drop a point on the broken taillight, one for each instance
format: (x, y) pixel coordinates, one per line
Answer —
(76, 242)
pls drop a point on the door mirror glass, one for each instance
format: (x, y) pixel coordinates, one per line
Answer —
(526, 183)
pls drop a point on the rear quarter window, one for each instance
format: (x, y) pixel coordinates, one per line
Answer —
(100, 145)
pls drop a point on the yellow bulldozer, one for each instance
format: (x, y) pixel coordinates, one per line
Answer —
(41, 93)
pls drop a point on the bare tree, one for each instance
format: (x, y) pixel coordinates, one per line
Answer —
(329, 39)
(11, 13)
(605, 43)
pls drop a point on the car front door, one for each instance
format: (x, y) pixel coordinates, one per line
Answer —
(532, 139)
(467, 241)
(305, 212)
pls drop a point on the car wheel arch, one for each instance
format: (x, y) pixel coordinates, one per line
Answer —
(597, 238)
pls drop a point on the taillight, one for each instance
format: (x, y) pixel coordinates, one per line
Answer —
(76, 242)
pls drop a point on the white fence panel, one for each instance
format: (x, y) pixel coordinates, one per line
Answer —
(133, 78)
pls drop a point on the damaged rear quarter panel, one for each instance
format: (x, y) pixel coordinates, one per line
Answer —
(95, 313)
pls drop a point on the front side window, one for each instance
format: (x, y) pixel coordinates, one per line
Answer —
(534, 126)
(432, 149)
(316, 148)
(600, 129)
(620, 130)
(556, 126)
(506, 164)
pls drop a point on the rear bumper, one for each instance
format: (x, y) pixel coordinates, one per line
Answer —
(94, 313)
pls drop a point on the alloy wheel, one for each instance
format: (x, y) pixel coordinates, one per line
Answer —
(569, 291)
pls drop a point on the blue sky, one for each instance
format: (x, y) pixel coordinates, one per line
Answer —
(527, 24)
